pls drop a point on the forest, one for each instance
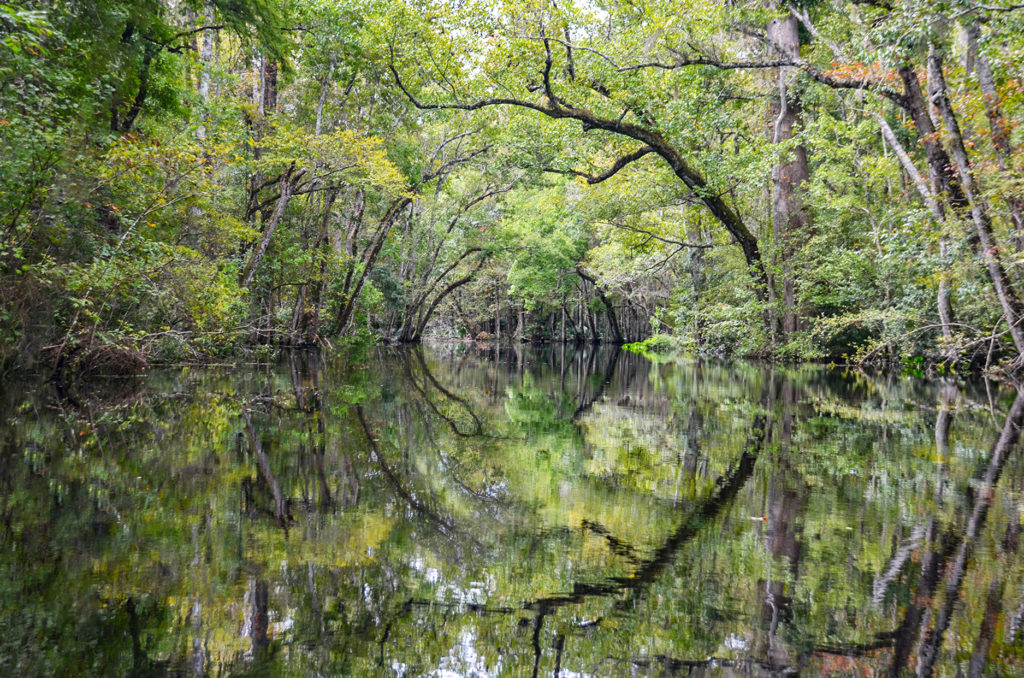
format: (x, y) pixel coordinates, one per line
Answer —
(834, 180)
(313, 317)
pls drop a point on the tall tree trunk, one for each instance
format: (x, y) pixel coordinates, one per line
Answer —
(942, 172)
(125, 124)
(497, 314)
(1004, 290)
(941, 169)
(325, 87)
(268, 101)
(205, 59)
(312, 329)
(517, 333)
(287, 186)
(945, 306)
(367, 261)
(298, 313)
(790, 218)
(613, 320)
(698, 280)
(998, 125)
(563, 319)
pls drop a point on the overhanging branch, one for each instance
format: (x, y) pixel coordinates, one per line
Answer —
(693, 179)
(610, 172)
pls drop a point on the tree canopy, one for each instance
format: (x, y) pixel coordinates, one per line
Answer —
(820, 180)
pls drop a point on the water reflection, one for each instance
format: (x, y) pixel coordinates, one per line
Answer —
(470, 512)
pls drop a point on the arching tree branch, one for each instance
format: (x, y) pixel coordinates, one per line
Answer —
(611, 171)
(561, 110)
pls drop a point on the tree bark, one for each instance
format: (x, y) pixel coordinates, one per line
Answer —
(126, 123)
(791, 219)
(287, 186)
(497, 314)
(1008, 299)
(268, 102)
(920, 185)
(945, 307)
(369, 258)
(421, 326)
(941, 168)
(312, 330)
(613, 321)
(205, 57)
(324, 89)
(998, 125)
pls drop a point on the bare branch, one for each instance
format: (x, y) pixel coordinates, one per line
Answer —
(988, 8)
(908, 166)
(692, 178)
(458, 160)
(548, 63)
(684, 60)
(655, 236)
(473, 106)
(803, 16)
(610, 172)
(680, 62)
(447, 141)
(212, 27)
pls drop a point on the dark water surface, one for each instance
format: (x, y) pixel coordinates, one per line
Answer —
(449, 512)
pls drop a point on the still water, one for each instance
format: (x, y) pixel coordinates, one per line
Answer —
(454, 511)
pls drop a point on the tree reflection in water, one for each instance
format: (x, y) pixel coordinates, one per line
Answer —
(512, 511)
